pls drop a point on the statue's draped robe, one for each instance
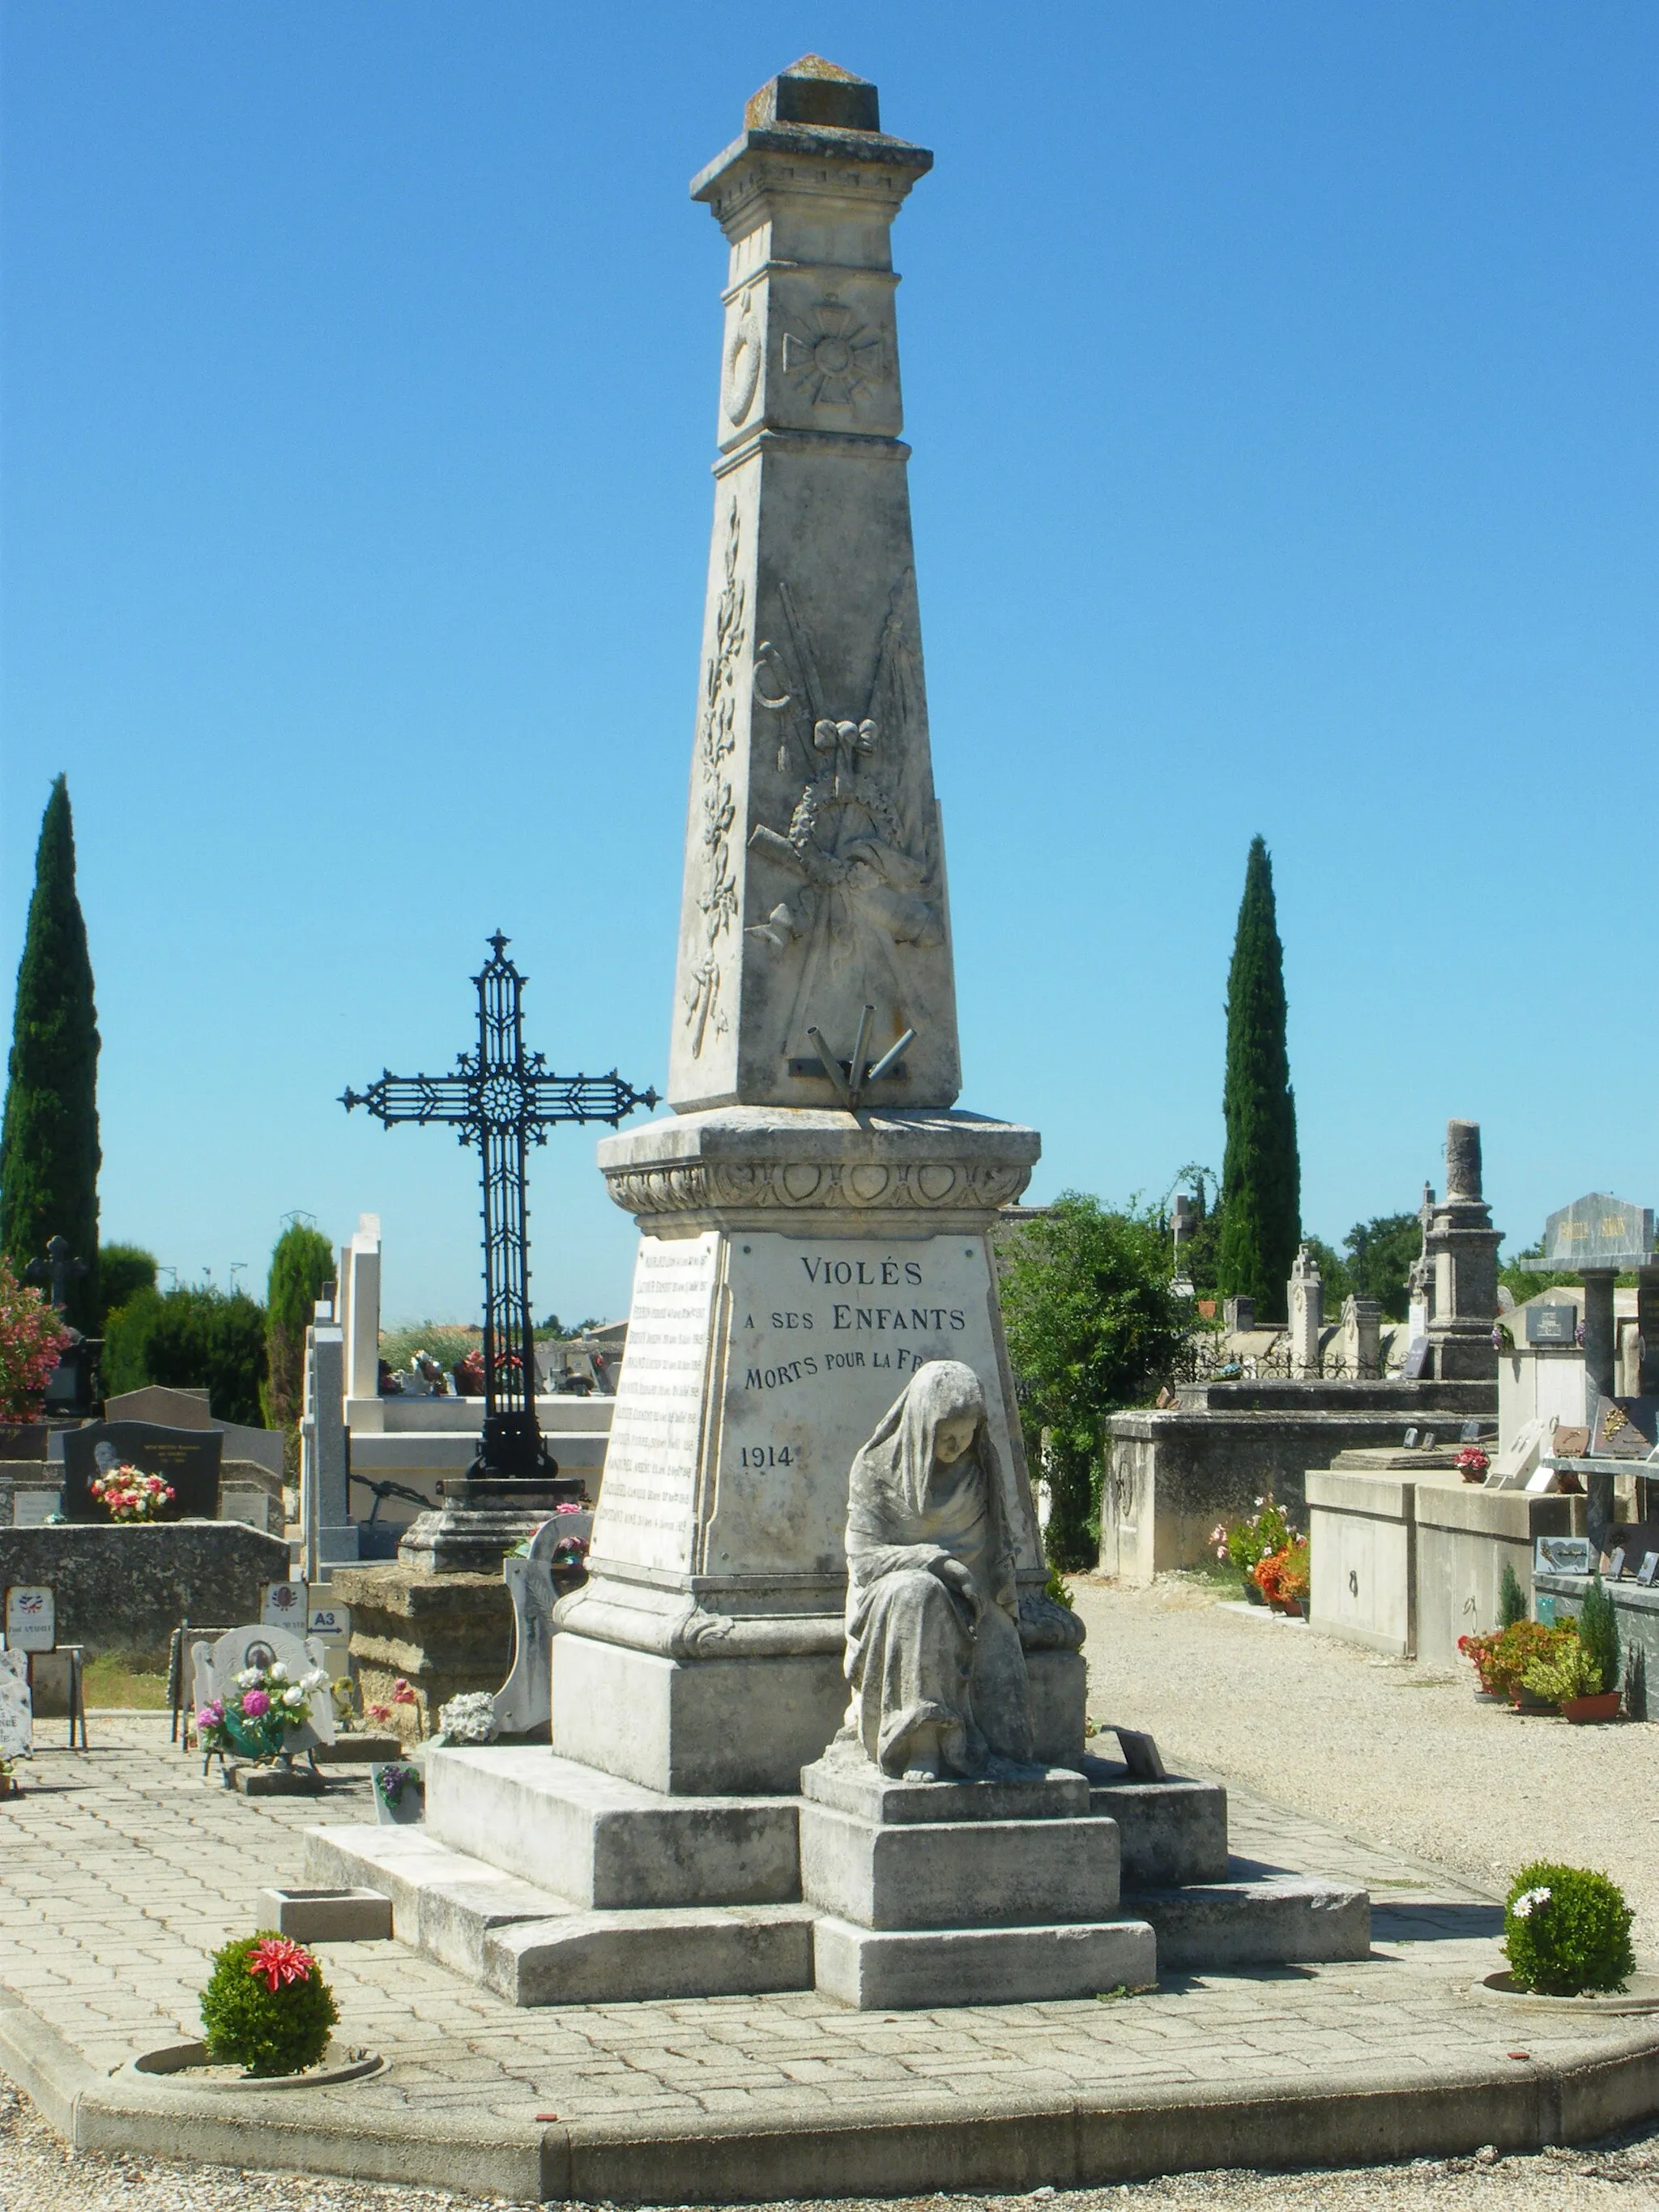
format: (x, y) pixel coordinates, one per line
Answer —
(915, 1657)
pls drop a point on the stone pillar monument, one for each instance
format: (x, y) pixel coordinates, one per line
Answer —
(1462, 1246)
(815, 1217)
(1362, 1337)
(1306, 1294)
(331, 1534)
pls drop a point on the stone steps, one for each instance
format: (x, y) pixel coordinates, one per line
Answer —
(535, 1948)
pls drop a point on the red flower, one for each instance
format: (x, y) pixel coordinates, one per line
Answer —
(281, 1960)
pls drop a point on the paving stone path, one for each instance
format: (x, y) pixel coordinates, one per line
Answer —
(123, 1871)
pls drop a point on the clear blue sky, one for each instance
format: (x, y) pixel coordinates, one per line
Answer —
(1281, 381)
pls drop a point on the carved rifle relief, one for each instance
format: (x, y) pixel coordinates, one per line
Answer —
(717, 739)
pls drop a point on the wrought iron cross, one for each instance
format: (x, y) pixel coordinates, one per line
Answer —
(500, 1098)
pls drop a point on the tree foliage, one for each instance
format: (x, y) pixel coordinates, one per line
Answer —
(301, 1262)
(49, 1154)
(191, 1339)
(1260, 1174)
(1093, 1325)
(1382, 1251)
(123, 1271)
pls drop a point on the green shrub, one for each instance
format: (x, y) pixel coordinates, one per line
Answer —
(1566, 1931)
(265, 2030)
(191, 1339)
(1598, 1631)
(1571, 1673)
(1511, 1598)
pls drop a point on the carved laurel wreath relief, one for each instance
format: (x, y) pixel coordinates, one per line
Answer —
(717, 740)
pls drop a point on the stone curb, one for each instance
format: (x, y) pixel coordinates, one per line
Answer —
(912, 2147)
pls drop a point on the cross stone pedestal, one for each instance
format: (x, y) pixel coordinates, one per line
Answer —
(482, 1519)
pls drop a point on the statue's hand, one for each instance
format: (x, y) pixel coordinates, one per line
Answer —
(954, 1577)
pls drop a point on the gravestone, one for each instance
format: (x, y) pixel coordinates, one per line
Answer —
(1306, 1294)
(187, 1458)
(16, 1706)
(215, 1666)
(1623, 1428)
(31, 1618)
(524, 1702)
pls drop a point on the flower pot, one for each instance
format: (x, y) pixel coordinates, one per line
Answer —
(1584, 1710)
(1253, 1592)
(1475, 1474)
(1528, 1701)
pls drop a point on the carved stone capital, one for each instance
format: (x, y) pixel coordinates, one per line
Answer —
(838, 1174)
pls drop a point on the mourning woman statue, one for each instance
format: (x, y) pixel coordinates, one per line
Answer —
(933, 1632)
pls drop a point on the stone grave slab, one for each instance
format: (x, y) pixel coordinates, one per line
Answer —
(187, 1458)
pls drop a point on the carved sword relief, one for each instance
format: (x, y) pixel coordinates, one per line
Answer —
(717, 739)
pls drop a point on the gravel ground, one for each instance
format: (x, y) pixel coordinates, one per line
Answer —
(37, 2174)
(1399, 1755)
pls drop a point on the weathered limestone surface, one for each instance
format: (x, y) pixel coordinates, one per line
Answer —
(126, 1589)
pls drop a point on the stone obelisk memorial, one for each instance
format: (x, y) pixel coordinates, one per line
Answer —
(800, 1255)
(766, 1772)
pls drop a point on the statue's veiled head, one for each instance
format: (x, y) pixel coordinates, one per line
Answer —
(940, 1417)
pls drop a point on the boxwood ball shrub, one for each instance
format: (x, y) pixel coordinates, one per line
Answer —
(266, 2006)
(1566, 1932)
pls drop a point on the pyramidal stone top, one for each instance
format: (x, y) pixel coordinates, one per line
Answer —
(815, 884)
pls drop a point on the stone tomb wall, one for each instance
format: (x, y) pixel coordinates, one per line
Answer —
(126, 1589)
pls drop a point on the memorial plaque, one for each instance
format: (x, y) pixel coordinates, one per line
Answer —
(1623, 1428)
(32, 1509)
(1615, 1566)
(1648, 1570)
(1417, 1360)
(16, 1706)
(757, 1365)
(646, 1503)
(1551, 1324)
(187, 1458)
(1598, 1230)
(1561, 1555)
(1570, 1443)
(283, 1606)
(31, 1618)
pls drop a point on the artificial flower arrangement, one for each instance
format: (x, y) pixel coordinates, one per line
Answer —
(1471, 1463)
(264, 1708)
(127, 1493)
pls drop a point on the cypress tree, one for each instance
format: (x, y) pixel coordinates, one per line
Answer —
(301, 1262)
(49, 1154)
(1261, 1176)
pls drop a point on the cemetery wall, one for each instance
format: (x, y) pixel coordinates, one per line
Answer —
(126, 1590)
(1172, 1475)
(1406, 1563)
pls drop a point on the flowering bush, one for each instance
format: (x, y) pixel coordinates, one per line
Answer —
(1566, 1932)
(1514, 1649)
(1282, 1577)
(32, 1339)
(266, 2006)
(1247, 1542)
(1478, 1650)
(127, 1493)
(260, 1712)
(1472, 1462)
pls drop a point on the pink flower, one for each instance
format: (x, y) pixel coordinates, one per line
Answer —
(254, 1702)
(401, 1692)
(281, 1960)
(210, 1715)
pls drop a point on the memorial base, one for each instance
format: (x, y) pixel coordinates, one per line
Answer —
(441, 1633)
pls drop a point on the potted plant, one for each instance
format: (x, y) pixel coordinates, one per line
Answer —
(1471, 1463)
(1247, 1543)
(266, 2006)
(1282, 1577)
(1566, 1933)
(1582, 1678)
(1515, 1650)
(1479, 1650)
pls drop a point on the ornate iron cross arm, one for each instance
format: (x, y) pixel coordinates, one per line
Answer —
(502, 1098)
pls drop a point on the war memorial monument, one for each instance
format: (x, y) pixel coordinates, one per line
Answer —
(766, 1773)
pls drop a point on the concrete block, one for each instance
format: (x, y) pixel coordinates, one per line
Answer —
(1170, 1832)
(277, 1782)
(1212, 1926)
(1060, 1705)
(705, 1728)
(612, 1958)
(325, 1916)
(851, 1783)
(991, 1873)
(882, 1971)
(357, 1747)
(606, 1843)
